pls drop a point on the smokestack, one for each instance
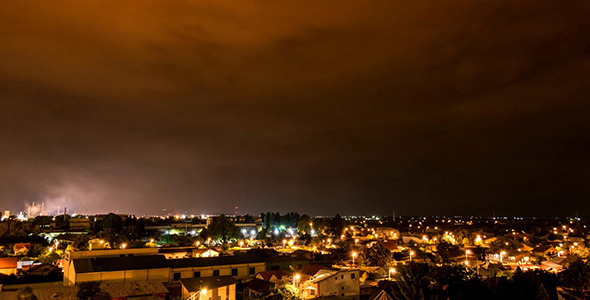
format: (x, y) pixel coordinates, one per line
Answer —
(65, 210)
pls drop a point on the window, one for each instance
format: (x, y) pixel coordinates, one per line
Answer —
(176, 276)
(342, 288)
(252, 271)
(275, 268)
(234, 272)
(197, 274)
(352, 276)
(121, 255)
(342, 276)
(215, 272)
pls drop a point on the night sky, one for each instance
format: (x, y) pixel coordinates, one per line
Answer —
(321, 107)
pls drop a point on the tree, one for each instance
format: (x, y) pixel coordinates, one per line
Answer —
(443, 248)
(412, 281)
(221, 228)
(112, 221)
(377, 255)
(26, 293)
(81, 241)
(304, 224)
(336, 226)
(204, 234)
(575, 280)
(288, 292)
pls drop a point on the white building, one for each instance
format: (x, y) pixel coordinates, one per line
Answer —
(344, 284)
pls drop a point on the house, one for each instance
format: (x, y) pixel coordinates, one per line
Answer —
(558, 263)
(97, 244)
(387, 232)
(258, 288)
(544, 251)
(21, 249)
(412, 239)
(42, 269)
(344, 284)
(175, 252)
(186, 252)
(205, 253)
(8, 265)
(311, 270)
(220, 287)
(277, 277)
(390, 245)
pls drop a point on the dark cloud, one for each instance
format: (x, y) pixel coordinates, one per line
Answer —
(425, 107)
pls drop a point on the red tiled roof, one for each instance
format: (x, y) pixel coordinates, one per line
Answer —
(390, 245)
(19, 246)
(266, 275)
(311, 269)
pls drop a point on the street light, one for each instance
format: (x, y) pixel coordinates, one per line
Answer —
(411, 253)
(467, 252)
(353, 256)
(284, 242)
(502, 255)
(391, 270)
(296, 278)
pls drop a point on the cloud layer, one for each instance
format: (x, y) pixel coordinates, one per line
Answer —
(425, 107)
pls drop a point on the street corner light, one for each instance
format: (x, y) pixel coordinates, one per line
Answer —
(296, 278)
(204, 292)
(467, 263)
(123, 246)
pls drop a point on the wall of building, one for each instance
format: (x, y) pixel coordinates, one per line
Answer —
(224, 270)
(224, 292)
(162, 275)
(127, 275)
(341, 285)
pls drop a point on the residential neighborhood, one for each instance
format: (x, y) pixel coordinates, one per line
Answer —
(291, 256)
